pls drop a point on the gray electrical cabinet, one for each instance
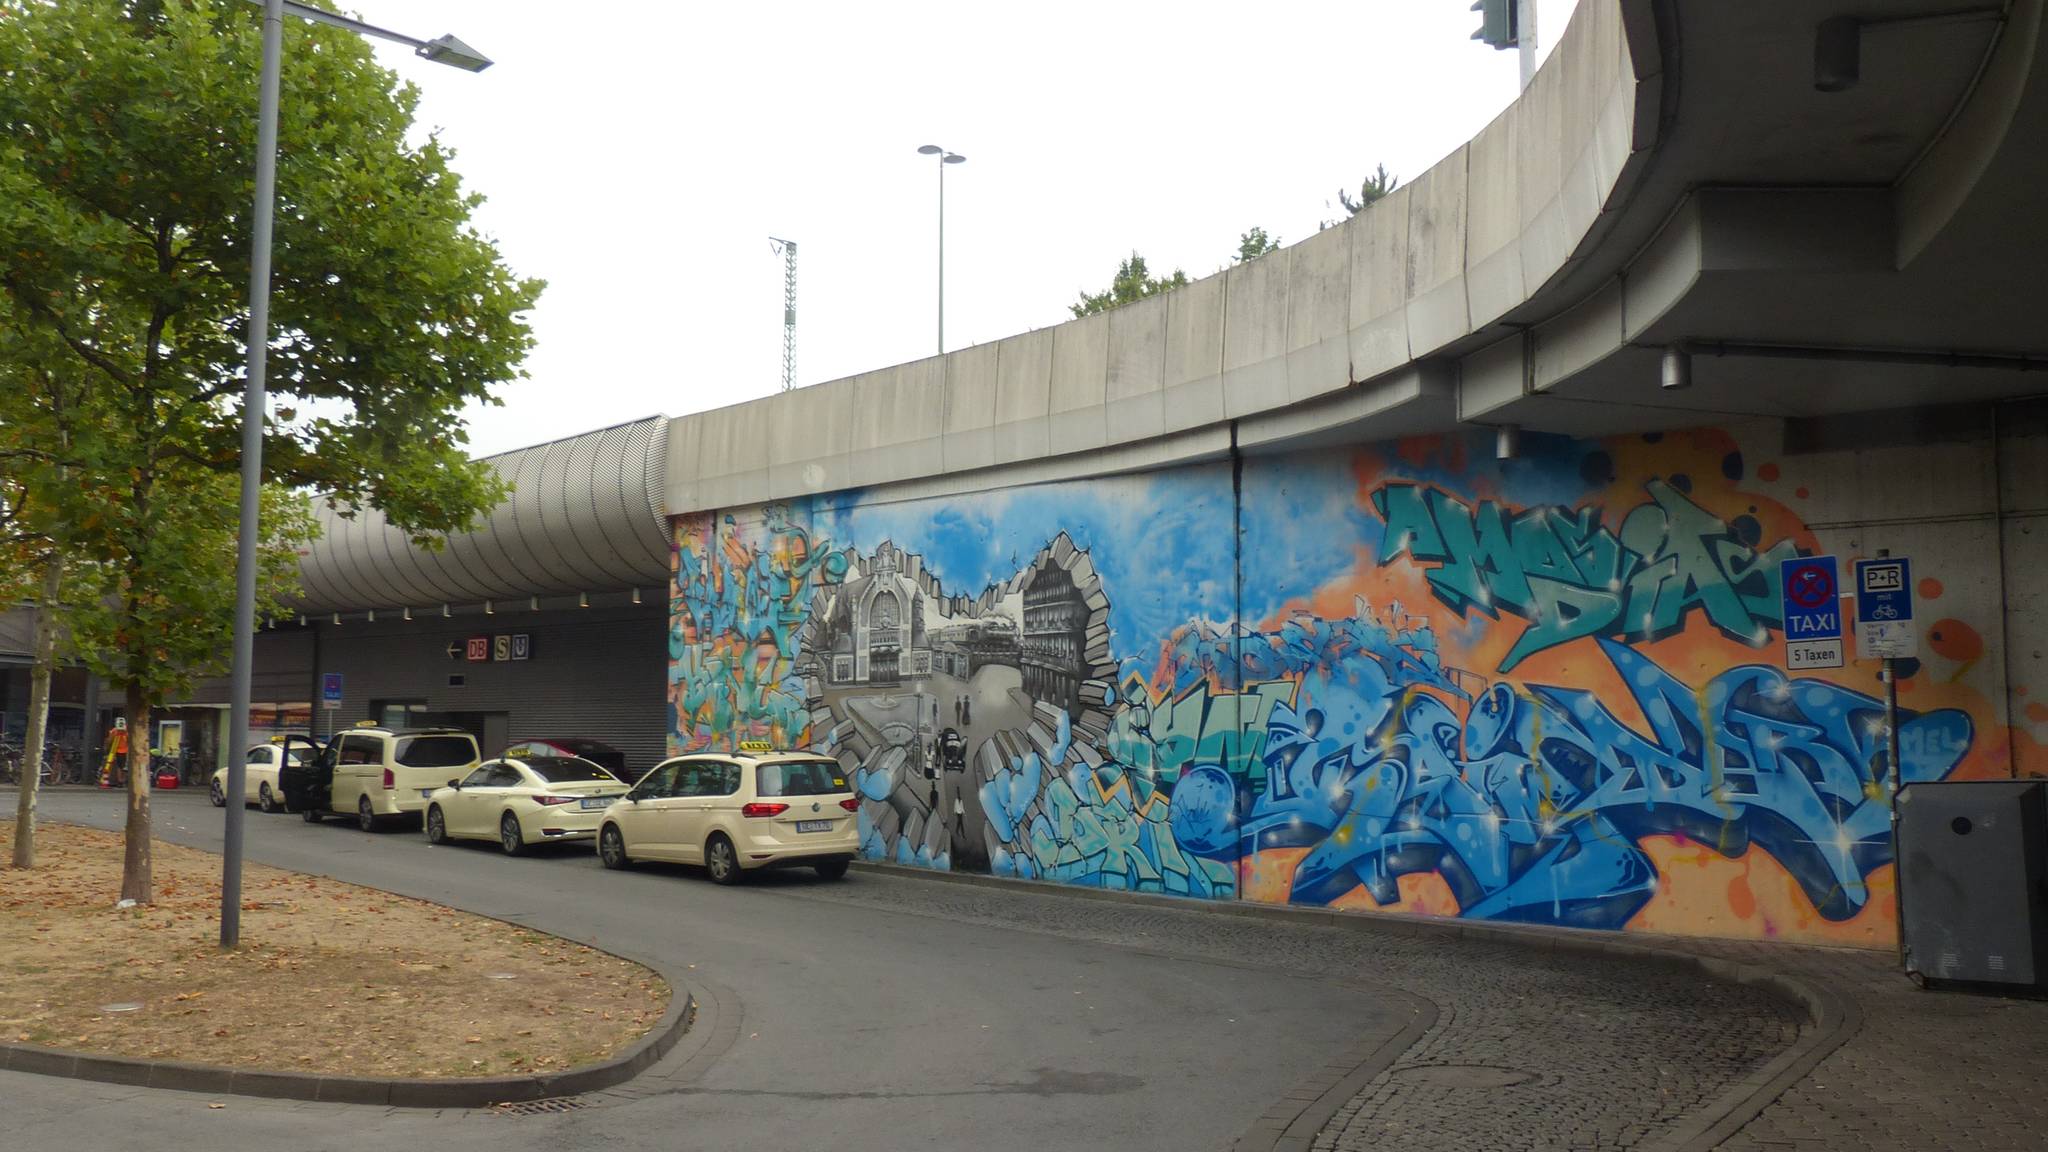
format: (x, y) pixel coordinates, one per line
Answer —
(1973, 881)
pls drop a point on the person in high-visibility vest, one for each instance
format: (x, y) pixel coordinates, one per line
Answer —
(117, 753)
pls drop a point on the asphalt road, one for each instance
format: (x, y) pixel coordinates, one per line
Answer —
(871, 1014)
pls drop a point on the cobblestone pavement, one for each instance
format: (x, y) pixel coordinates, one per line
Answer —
(1531, 1049)
(1924, 1070)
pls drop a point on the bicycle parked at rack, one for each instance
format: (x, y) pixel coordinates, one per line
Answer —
(13, 757)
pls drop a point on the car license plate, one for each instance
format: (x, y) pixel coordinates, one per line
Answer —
(597, 801)
(426, 792)
(814, 825)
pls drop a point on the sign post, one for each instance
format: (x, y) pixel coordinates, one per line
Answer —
(1884, 629)
(1812, 612)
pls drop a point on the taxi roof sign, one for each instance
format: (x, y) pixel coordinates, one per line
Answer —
(366, 724)
(756, 746)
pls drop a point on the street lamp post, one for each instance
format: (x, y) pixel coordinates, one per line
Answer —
(444, 50)
(945, 158)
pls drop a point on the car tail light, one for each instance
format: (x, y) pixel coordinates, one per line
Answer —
(551, 801)
(851, 803)
(758, 809)
(390, 781)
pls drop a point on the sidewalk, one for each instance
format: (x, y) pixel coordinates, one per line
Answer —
(1896, 1069)
(1919, 1070)
(1554, 1039)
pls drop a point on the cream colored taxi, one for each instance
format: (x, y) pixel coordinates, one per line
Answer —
(532, 800)
(259, 779)
(376, 774)
(736, 813)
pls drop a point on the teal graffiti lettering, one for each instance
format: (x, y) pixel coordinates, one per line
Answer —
(1565, 573)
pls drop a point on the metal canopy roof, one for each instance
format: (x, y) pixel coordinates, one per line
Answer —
(586, 514)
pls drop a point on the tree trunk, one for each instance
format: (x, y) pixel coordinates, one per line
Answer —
(38, 717)
(136, 883)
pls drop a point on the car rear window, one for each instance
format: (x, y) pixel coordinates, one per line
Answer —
(435, 751)
(801, 778)
(567, 770)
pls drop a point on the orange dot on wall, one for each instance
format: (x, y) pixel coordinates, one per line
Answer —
(2037, 712)
(1801, 493)
(1767, 472)
(1930, 588)
(1954, 640)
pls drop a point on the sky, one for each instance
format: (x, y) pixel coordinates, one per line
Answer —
(638, 156)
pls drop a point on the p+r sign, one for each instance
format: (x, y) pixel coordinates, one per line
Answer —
(1813, 612)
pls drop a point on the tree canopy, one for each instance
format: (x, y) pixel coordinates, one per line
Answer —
(1373, 190)
(1133, 281)
(127, 170)
(1254, 244)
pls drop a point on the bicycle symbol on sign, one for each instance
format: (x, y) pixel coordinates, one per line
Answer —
(1884, 612)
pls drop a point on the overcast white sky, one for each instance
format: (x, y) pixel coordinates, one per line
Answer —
(638, 155)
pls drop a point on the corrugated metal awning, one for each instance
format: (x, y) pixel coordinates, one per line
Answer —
(586, 514)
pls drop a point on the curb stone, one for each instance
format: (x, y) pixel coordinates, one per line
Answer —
(397, 1092)
(1831, 1019)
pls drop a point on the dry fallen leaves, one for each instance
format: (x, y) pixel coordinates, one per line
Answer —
(302, 992)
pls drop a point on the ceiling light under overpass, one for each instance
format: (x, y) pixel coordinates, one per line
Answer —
(1838, 54)
(1507, 442)
(1677, 368)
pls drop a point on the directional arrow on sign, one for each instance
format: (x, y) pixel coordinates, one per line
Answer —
(455, 649)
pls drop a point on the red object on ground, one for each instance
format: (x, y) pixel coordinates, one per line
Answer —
(167, 780)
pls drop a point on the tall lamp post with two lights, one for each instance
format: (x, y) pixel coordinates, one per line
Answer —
(443, 50)
(945, 158)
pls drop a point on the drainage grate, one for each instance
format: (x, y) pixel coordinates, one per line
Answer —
(542, 1107)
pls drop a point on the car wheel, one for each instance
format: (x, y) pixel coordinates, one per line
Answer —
(266, 800)
(366, 817)
(721, 860)
(611, 848)
(832, 870)
(510, 837)
(310, 815)
(437, 826)
(214, 793)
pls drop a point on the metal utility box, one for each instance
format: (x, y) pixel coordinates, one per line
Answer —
(1973, 881)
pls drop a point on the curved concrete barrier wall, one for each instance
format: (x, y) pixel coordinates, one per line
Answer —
(1419, 274)
(585, 515)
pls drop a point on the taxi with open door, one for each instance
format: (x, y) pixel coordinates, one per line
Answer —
(376, 774)
(734, 813)
(523, 801)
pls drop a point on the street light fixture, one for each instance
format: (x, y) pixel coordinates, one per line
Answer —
(945, 158)
(443, 50)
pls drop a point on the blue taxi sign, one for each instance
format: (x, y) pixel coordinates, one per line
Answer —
(1812, 612)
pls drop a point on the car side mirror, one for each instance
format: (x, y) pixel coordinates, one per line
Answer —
(455, 784)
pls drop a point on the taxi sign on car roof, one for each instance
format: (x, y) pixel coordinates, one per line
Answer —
(756, 746)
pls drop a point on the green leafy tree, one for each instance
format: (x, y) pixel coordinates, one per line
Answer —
(127, 159)
(1254, 244)
(32, 552)
(1372, 191)
(1133, 281)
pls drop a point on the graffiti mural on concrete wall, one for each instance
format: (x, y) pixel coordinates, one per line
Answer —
(1544, 691)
